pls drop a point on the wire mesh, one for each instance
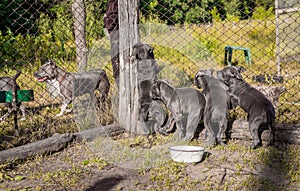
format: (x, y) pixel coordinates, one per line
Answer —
(186, 36)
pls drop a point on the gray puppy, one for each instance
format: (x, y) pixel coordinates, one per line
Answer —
(151, 112)
(6, 84)
(217, 105)
(261, 112)
(157, 116)
(186, 105)
(74, 84)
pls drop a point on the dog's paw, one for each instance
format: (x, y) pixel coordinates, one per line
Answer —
(270, 143)
(23, 119)
(163, 132)
(210, 143)
(222, 143)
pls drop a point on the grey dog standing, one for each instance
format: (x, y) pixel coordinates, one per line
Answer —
(96, 80)
(186, 105)
(217, 105)
(261, 112)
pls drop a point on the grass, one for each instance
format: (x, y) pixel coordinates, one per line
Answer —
(231, 167)
(182, 56)
(179, 53)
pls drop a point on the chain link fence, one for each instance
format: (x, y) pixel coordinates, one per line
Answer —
(263, 36)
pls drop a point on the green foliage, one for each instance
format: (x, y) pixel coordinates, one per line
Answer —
(50, 35)
(215, 15)
(14, 49)
(262, 13)
(177, 12)
(267, 4)
(95, 11)
(19, 17)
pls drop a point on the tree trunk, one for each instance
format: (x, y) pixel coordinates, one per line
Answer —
(56, 143)
(79, 16)
(128, 88)
(51, 144)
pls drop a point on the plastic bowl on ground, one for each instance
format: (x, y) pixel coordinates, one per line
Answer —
(187, 154)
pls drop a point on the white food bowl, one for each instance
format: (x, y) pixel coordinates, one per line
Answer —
(187, 154)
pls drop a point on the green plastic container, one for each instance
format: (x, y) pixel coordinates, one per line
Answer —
(2, 96)
(22, 96)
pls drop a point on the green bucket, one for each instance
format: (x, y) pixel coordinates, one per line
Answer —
(22, 96)
(2, 96)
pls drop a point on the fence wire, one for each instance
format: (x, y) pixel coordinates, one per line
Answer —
(186, 36)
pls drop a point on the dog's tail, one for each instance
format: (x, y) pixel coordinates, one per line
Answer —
(272, 132)
(103, 85)
(271, 127)
(215, 127)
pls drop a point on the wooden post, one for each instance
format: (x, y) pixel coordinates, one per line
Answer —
(79, 17)
(277, 38)
(128, 85)
(14, 102)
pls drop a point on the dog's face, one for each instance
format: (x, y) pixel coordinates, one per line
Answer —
(46, 72)
(198, 77)
(231, 72)
(143, 51)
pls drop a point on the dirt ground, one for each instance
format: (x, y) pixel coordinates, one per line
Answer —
(223, 168)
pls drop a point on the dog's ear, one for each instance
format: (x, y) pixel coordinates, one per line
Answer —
(52, 63)
(135, 51)
(220, 75)
(155, 87)
(157, 84)
(196, 75)
(150, 51)
(200, 73)
(236, 74)
(210, 72)
(197, 79)
(240, 69)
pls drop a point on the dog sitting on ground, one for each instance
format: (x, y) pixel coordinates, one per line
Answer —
(186, 105)
(6, 84)
(217, 105)
(157, 117)
(260, 110)
(152, 112)
(74, 84)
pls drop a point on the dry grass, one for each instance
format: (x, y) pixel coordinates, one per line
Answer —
(78, 168)
(224, 168)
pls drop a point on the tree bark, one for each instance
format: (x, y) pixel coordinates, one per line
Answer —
(79, 17)
(288, 133)
(128, 90)
(56, 143)
(51, 144)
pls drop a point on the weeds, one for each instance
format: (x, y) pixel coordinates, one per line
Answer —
(245, 169)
